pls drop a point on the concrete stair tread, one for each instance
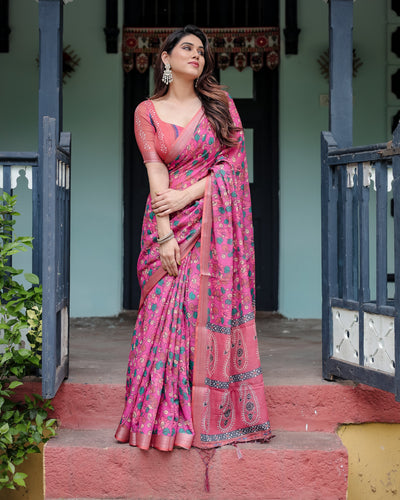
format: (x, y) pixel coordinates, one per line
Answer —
(99, 349)
(292, 408)
(91, 464)
(104, 439)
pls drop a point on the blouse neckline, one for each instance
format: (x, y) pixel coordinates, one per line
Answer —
(173, 124)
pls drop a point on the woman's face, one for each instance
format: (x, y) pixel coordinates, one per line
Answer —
(187, 57)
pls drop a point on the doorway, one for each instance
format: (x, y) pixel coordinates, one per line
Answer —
(256, 95)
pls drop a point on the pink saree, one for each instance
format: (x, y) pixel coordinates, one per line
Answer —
(194, 374)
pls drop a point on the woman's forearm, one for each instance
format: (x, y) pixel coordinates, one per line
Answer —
(159, 181)
(167, 201)
(196, 190)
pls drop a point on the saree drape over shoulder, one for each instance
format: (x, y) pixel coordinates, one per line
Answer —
(194, 374)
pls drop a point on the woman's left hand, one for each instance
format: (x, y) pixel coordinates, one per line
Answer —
(169, 201)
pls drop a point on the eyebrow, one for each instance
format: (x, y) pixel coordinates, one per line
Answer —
(192, 44)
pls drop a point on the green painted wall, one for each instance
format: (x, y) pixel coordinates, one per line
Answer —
(302, 118)
(18, 104)
(93, 113)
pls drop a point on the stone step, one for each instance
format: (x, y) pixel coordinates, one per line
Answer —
(294, 465)
(312, 408)
(319, 408)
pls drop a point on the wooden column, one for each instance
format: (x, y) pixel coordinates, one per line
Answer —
(341, 135)
(341, 71)
(291, 30)
(111, 30)
(50, 100)
(4, 27)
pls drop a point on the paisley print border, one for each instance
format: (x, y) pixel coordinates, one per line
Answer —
(206, 438)
(219, 384)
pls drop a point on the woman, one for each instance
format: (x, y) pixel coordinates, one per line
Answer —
(194, 375)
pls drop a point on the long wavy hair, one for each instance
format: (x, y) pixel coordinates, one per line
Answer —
(212, 96)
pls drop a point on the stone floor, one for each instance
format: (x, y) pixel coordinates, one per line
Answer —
(290, 350)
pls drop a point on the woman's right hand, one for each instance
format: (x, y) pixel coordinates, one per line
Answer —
(170, 257)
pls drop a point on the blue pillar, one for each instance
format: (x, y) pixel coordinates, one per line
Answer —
(341, 71)
(50, 102)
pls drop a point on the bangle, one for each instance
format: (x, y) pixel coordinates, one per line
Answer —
(166, 238)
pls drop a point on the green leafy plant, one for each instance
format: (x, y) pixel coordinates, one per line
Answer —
(23, 424)
(34, 334)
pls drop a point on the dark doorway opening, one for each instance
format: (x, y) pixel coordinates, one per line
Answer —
(259, 113)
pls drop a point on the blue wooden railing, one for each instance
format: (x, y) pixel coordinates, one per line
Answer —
(50, 180)
(56, 182)
(360, 319)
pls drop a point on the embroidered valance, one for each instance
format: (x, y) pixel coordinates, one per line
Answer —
(239, 47)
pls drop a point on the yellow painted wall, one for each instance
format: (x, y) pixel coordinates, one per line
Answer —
(33, 466)
(374, 460)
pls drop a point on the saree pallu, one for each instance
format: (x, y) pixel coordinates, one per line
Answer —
(194, 374)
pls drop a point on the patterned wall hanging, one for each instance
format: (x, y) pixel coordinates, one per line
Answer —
(239, 47)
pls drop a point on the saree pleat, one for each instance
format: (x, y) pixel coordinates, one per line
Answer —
(158, 399)
(194, 375)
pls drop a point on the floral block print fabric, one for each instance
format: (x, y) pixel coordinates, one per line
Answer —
(194, 374)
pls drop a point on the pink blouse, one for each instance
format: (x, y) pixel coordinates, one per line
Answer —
(153, 136)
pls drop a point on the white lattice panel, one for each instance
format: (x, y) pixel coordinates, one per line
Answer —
(345, 334)
(379, 342)
(15, 174)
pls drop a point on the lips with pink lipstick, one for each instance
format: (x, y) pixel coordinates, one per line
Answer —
(194, 63)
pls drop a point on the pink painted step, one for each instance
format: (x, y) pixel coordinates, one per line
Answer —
(319, 408)
(293, 408)
(294, 465)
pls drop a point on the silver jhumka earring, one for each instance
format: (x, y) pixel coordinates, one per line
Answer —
(167, 75)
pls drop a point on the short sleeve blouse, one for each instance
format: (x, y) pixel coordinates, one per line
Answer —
(154, 137)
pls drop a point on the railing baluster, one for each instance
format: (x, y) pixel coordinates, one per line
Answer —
(65, 144)
(364, 291)
(67, 219)
(363, 189)
(341, 177)
(36, 227)
(381, 233)
(355, 180)
(58, 189)
(7, 180)
(348, 250)
(7, 189)
(58, 338)
(334, 180)
(329, 197)
(355, 223)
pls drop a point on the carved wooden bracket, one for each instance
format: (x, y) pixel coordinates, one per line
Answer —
(111, 30)
(291, 30)
(4, 27)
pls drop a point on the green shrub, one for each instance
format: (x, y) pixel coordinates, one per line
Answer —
(23, 424)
